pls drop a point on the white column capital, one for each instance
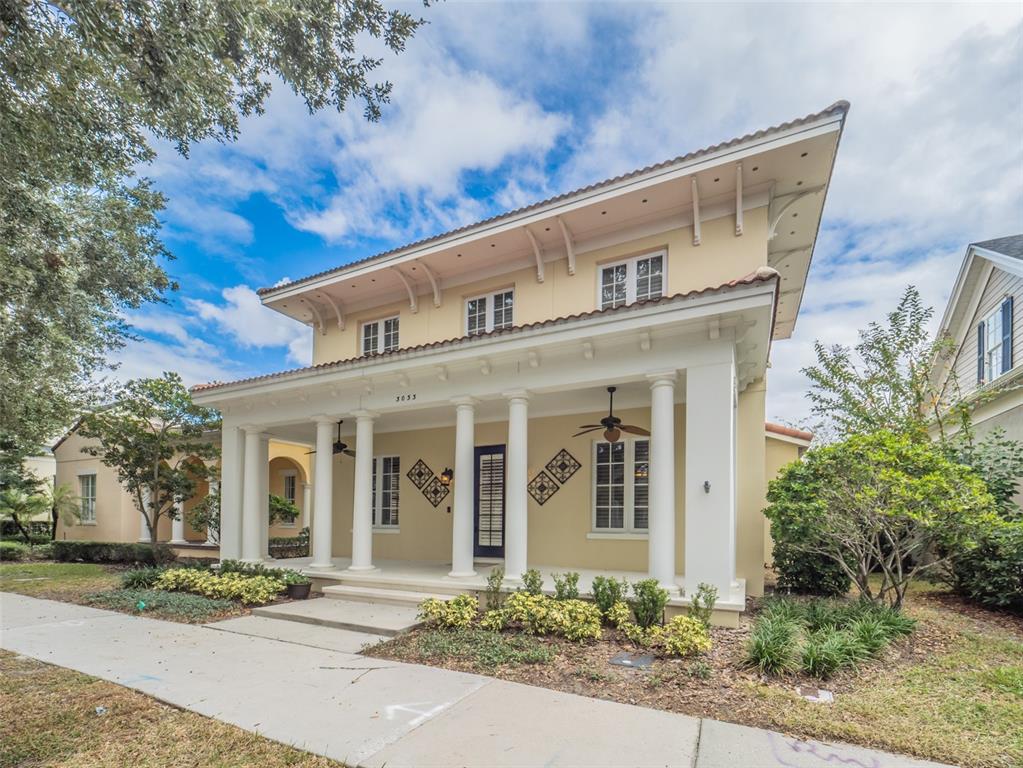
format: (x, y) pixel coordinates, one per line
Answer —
(255, 429)
(464, 401)
(516, 394)
(662, 378)
(323, 418)
(362, 415)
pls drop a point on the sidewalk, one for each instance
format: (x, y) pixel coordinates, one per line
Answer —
(370, 712)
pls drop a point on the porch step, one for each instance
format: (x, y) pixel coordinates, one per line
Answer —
(339, 613)
(435, 586)
(381, 595)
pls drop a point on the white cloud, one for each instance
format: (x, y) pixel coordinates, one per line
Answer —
(251, 325)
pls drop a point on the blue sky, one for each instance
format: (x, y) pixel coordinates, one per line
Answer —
(499, 104)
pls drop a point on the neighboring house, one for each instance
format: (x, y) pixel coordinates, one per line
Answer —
(983, 322)
(109, 513)
(464, 365)
(784, 445)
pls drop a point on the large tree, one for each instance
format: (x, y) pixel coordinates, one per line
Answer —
(84, 85)
(152, 435)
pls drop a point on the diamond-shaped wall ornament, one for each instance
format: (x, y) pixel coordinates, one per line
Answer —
(542, 487)
(435, 491)
(420, 474)
(563, 466)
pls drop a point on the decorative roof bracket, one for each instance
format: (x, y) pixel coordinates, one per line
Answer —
(569, 245)
(433, 282)
(413, 303)
(537, 252)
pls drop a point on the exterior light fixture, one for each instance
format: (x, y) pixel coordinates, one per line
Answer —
(446, 477)
(706, 486)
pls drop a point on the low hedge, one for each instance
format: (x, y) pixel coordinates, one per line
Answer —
(249, 590)
(11, 551)
(111, 552)
(289, 546)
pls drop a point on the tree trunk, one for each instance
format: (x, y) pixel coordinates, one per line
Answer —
(53, 523)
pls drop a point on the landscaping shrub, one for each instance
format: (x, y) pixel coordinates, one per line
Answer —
(619, 614)
(807, 574)
(43, 551)
(828, 650)
(495, 582)
(771, 647)
(702, 604)
(181, 605)
(543, 615)
(251, 569)
(566, 586)
(607, 591)
(683, 636)
(13, 551)
(140, 578)
(458, 612)
(532, 582)
(281, 547)
(488, 649)
(648, 602)
(249, 590)
(991, 573)
(111, 552)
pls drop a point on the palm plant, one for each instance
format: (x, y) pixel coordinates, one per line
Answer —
(65, 505)
(20, 507)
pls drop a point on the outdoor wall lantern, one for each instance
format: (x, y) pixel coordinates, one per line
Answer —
(446, 476)
(706, 486)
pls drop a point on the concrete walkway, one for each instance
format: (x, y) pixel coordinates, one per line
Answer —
(372, 713)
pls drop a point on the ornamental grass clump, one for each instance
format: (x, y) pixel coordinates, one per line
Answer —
(771, 647)
(458, 612)
(249, 590)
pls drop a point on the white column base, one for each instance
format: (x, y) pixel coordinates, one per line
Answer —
(362, 568)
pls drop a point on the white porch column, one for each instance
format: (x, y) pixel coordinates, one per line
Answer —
(516, 499)
(462, 516)
(178, 524)
(264, 495)
(307, 503)
(232, 465)
(214, 487)
(323, 487)
(710, 476)
(143, 525)
(252, 504)
(661, 538)
(362, 507)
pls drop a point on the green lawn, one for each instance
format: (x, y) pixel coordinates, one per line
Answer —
(56, 581)
(48, 718)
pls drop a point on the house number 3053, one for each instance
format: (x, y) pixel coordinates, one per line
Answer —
(407, 398)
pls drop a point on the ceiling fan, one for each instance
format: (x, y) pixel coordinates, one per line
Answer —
(611, 424)
(338, 446)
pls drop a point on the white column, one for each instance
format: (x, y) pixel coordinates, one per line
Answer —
(307, 503)
(252, 504)
(143, 525)
(710, 476)
(323, 488)
(178, 524)
(661, 538)
(264, 495)
(362, 506)
(232, 465)
(214, 487)
(516, 498)
(462, 517)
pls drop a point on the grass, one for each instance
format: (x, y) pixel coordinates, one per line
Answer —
(56, 581)
(177, 606)
(484, 650)
(48, 718)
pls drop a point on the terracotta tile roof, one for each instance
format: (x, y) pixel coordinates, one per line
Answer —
(839, 107)
(780, 429)
(761, 275)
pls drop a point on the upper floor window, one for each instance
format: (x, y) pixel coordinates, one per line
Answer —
(87, 495)
(490, 312)
(635, 279)
(386, 474)
(380, 336)
(621, 486)
(994, 343)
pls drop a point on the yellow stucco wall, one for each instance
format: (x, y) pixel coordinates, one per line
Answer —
(558, 529)
(777, 454)
(289, 457)
(720, 257)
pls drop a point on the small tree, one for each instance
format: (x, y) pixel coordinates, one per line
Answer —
(64, 505)
(877, 505)
(150, 435)
(20, 507)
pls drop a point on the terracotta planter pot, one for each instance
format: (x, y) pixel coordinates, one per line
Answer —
(299, 591)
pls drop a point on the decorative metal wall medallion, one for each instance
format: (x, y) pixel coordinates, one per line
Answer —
(563, 466)
(542, 487)
(435, 491)
(420, 474)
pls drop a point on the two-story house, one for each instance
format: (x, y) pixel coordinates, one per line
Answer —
(986, 365)
(460, 397)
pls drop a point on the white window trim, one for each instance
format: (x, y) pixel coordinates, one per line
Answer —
(488, 326)
(629, 531)
(95, 495)
(289, 473)
(630, 274)
(378, 496)
(380, 333)
(990, 374)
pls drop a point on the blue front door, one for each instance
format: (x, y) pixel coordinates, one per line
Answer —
(488, 533)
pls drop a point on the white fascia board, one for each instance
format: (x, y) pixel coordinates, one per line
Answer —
(1000, 260)
(787, 438)
(738, 299)
(733, 154)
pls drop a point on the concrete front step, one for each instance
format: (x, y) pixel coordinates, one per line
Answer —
(352, 615)
(381, 595)
(296, 633)
(433, 587)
